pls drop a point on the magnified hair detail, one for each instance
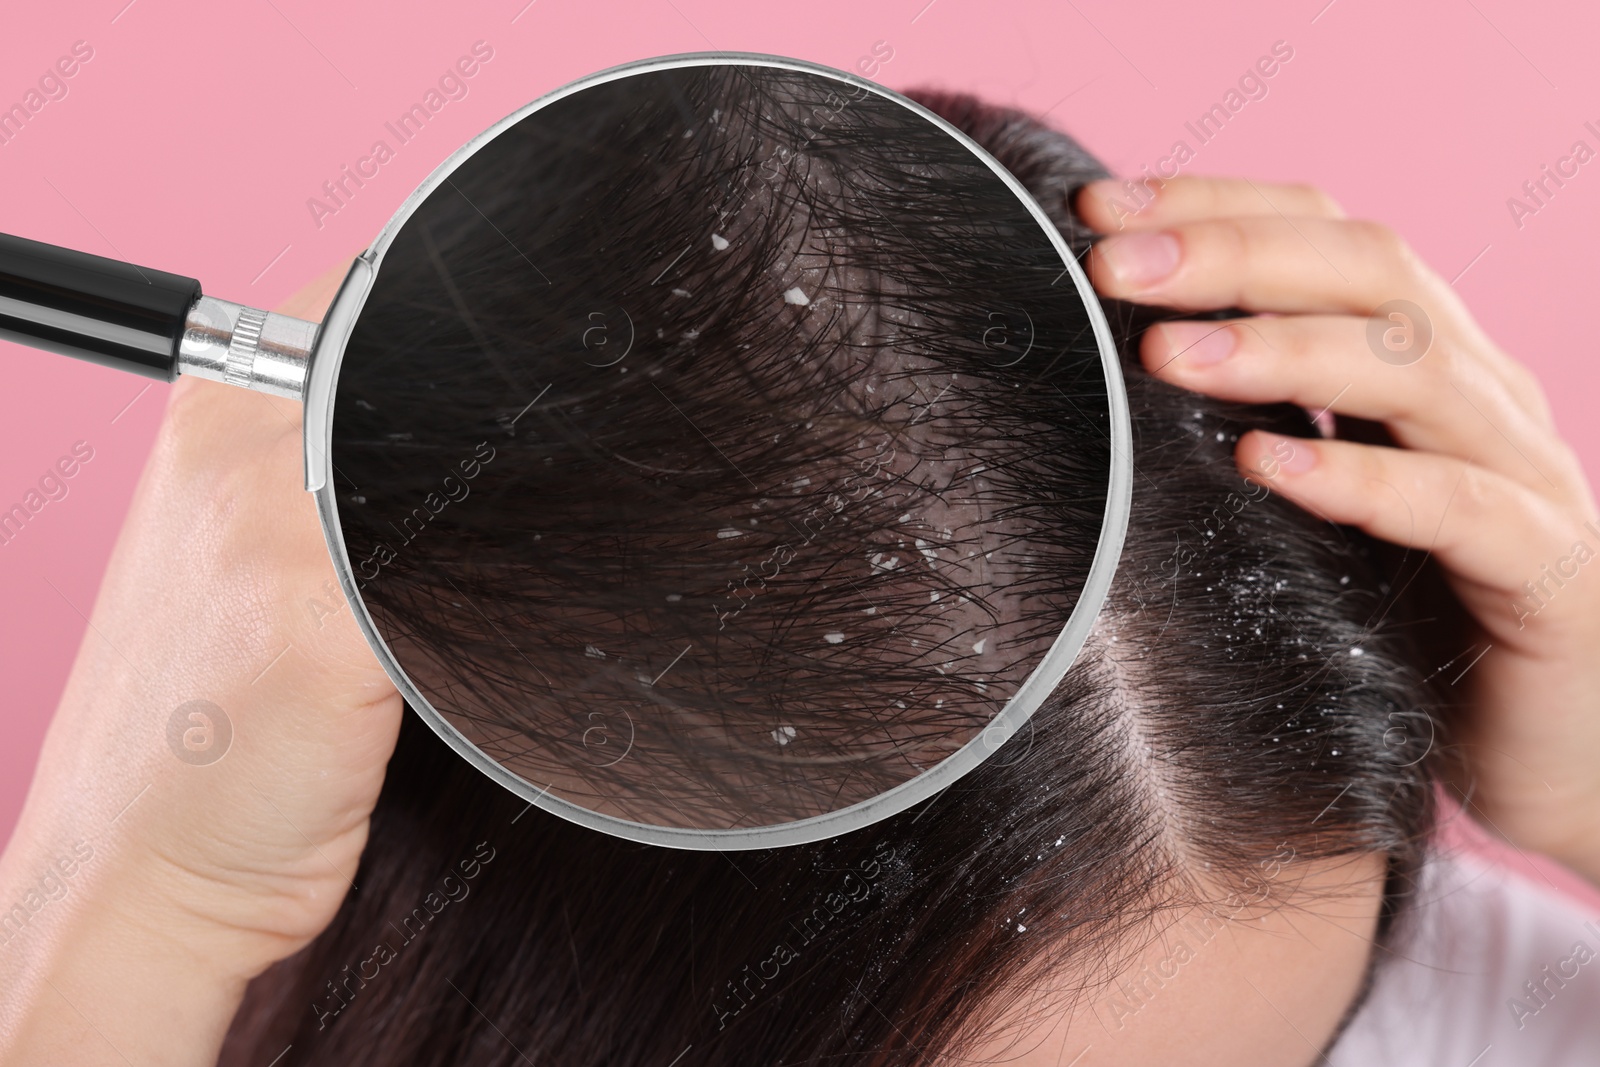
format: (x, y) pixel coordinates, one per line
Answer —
(722, 516)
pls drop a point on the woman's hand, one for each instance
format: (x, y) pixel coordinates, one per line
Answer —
(1481, 479)
(220, 837)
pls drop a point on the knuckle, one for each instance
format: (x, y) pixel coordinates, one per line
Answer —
(1266, 337)
(1380, 238)
(1443, 364)
(1289, 350)
(1371, 465)
(1568, 467)
(1402, 262)
(1528, 387)
(1217, 195)
(1568, 457)
(1231, 241)
(1368, 468)
(1477, 491)
(1321, 203)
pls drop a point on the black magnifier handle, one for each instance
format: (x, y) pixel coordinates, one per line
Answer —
(146, 321)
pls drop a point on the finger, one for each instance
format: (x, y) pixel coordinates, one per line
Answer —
(1109, 205)
(1483, 527)
(1265, 264)
(1445, 402)
(1307, 266)
(1296, 265)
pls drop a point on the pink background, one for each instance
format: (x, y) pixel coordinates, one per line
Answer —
(194, 136)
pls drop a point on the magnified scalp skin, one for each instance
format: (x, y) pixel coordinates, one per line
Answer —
(1214, 727)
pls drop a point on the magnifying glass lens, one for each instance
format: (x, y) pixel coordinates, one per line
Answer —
(686, 451)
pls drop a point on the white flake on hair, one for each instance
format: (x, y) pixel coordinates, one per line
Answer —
(833, 638)
(719, 242)
(796, 296)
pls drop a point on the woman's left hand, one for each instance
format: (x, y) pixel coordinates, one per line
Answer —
(201, 803)
(1481, 479)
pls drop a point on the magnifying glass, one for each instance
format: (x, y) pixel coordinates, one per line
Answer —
(657, 442)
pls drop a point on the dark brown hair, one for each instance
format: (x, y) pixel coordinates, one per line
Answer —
(1241, 699)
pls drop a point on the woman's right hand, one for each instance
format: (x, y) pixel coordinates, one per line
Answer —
(1481, 478)
(204, 841)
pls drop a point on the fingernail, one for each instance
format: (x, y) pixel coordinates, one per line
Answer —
(1291, 455)
(1139, 260)
(1198, 344)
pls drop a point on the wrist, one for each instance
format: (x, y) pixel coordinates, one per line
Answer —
(110, 965)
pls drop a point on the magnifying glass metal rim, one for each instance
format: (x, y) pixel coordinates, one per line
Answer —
(321, 386)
